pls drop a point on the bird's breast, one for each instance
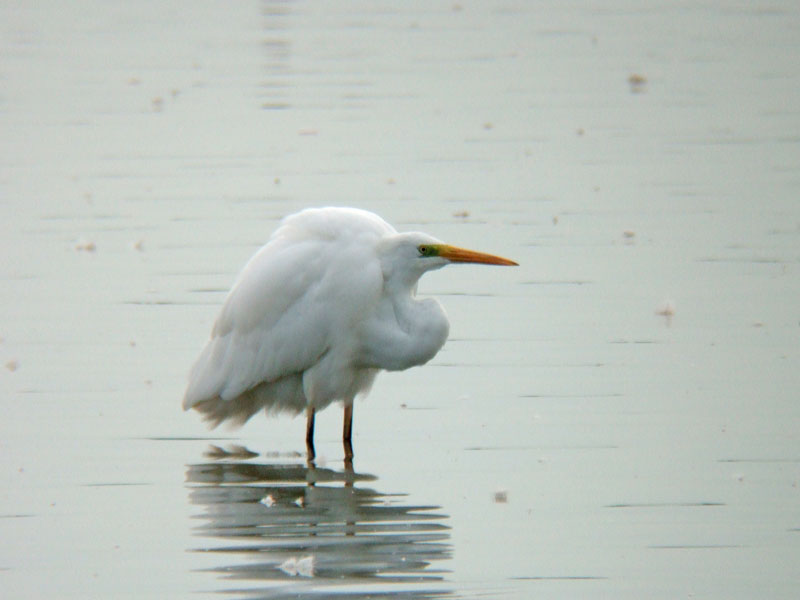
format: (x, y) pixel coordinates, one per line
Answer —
(402, 335)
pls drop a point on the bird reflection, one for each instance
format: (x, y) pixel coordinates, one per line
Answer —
(297, 530)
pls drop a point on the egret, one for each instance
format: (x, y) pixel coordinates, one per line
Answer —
(316, 313)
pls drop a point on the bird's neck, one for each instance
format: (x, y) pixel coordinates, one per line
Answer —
(406, 307)
(424, 321)
(404, 332)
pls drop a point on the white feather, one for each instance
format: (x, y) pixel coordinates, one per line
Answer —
(277, 335)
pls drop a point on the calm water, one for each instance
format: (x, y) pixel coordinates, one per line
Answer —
(618, 417)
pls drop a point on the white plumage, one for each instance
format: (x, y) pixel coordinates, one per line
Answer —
(317, 312)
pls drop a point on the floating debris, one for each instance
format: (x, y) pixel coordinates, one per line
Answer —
(12, 365)
(298, 567)
(268, 500)
(84, 245)
(666, 310)
(300, 501)
(461, 214)
(637, 83)
(501, 497)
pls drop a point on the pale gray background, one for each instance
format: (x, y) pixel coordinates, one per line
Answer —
(147, 149)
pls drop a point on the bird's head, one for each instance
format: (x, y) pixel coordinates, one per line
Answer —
(408, 256)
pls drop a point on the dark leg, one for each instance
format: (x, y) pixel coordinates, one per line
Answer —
(349, 474)
(347, 432)
(310, 432)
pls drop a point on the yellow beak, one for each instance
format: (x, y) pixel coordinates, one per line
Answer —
(462, 255)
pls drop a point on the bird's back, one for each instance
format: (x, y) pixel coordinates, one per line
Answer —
(333, 223)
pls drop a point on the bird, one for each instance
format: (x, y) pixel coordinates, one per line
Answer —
(325, 305)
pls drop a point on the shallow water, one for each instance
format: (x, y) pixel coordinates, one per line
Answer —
(617, 417)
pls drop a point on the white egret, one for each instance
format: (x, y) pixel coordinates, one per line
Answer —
(316, 313)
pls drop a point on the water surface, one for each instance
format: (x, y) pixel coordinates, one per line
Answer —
(617, 417)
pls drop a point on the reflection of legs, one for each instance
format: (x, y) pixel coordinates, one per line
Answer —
(310, 432)
(347, 431)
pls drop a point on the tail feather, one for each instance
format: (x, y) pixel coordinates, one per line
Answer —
(235, 412)
(284, 395)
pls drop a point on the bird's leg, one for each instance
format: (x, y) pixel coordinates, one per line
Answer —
(347, 432)
(310, 432)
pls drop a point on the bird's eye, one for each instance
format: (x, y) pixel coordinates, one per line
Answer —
(423, 250)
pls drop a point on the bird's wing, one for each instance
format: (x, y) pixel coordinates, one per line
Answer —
(284, 312)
